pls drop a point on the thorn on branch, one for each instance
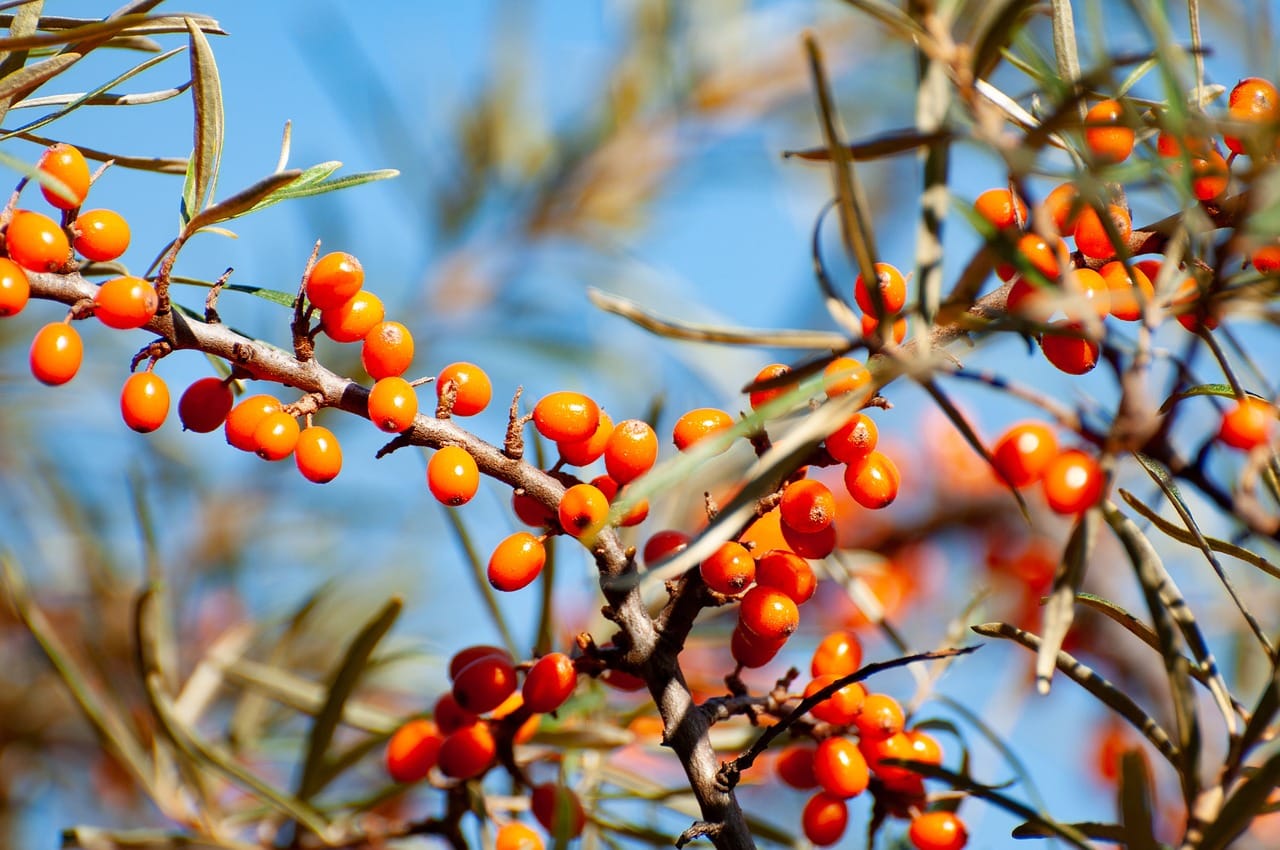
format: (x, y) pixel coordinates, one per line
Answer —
(211, 316)
(513, 445)
(699, 829)
(82, 309)
(152, 351)
(400, 442)
(303, 342)
(448, 396)
(305, 406)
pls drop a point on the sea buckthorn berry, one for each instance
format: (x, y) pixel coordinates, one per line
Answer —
(871, 323)
(1063, 206)
(1192, 308)
(1042, 256)
(471, 387)
(205, 404)
(788, 572)
(893, 291)
(584, 509)
(125, 302)
(896, 746)
(65, 162)
(1091, 235)
(1252, 100)
(100, 235)
(807, 506)
(387, 350)
(840, 708)
(924, 747)
(759, 398)
(1106, 137)
(1072, 482)
(530, 511)
(558, 809)
(1125, 303)
(243, 420)
(483, 684)
(838, 654)
(752, 651)
(1087, 285)
(56, 354)
(514, 835)
(853, 440)
(845, 375)
(729, 569)
(621, 680)
(815, 546)
(1210, 175)
(697, 425)
(1066, 347)
(663, 545)
(1029, 301)
(1023, 452)
(15, 289)
(393, 404)
(318, 455)
(937, 831)
(1002, 208)
(334, 279)
(450, 716)
(352, 320)
(631, 450)
(413, 750)
(565, 417)
(144, 401)
(881, 716)
(549, 682)
(468, 752)
(1265, 259)
(795, 767)
(1248, 424)
(610, 488)
(873, 482)
(36, 242)
(824, 819)
(765, 533)
(463, 657)
(516, 562)
(768, 613)
(276, 436)
(840, 769)
(587, 451)
(452, 476)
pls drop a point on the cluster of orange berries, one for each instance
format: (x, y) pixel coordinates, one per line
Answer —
(857, 732)
(1028, 453)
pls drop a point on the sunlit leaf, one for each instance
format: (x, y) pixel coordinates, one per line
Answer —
(206, 90)
(1223, 390)
(244, 201)
(310, 188)
(1059, 609)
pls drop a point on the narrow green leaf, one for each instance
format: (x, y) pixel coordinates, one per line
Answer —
(341, 685)
(159, 164)
(1223, 390)
(320, 187)
(24, 22)
(1059, 609)
(244, 201)
(891, 143)
(1184, 536)
(1134, 802)
(1244, 804)
(1098, 831)
(206, 90)
(1001, 21)
(29, 77)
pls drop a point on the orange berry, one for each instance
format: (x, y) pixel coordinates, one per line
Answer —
(1072, 482)
(631, 450)
(937, 831)
(729, 569)
(881, 716)
(1125, 304)
(840, 708)
(924, 747)
(838, 654)
(450, 716)
(530, 511)
(452, 476)
(125, 302)
(752, 651)
(1065, 346)
(15, 289)
(768, 613)
(565, 417)
(788, 572)
(36, 242)
(1001, 207)
(587, 451)
(845, 375)
(1210, 176)
(514, 835)
(393, 404)
(205, 404)
(516, 562)
(1106, 137)
(1265, 259)
(697, 425)
(840, 769)
(483, 684)
(610, 488)
(56, 353)
(1023, 452)
(765, 533)
(816, 545)
(550, 681)
(65, 162)
(463, 657)
(854, 440)
(318, 455)
(243, 420)
(873, 482)
(558, 809)
(1042, 257)
(663, 545)
(387, 350)
(1252, 100)
(807, 506)
(1091, 235)
(893, 291)
(583, 511)
(870, 323)
(621, 680)
(468, 752)
(276, 435)
(1063, 205)
(333, 280)
(824, 819)
(471, 385)
(100, 235)
(759, 398)
(795, 767)
(144, 401)
(413, 750)
(352, 320)
(895, 746)
(1193, 309)
(1248, 424)
(1088, 285)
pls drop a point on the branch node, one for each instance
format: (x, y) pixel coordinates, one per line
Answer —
(211, 316)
